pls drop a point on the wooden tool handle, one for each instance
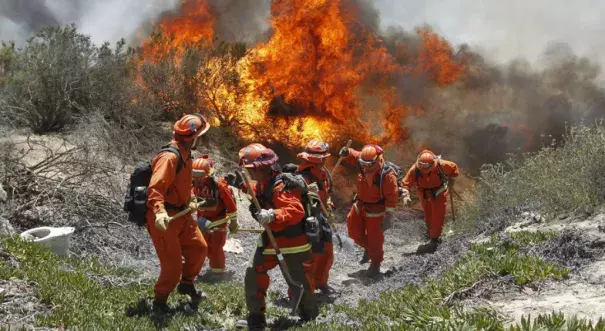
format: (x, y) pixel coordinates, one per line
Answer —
(341, 158)
(179, 214)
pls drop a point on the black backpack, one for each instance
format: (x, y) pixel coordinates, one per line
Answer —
(135, 199)
(314, 218)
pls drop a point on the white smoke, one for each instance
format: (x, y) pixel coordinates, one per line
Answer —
(506, 29)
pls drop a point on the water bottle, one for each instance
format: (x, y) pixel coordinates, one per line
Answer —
(312, 229)
(140, 199)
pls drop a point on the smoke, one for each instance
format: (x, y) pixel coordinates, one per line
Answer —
(241, 20)
(506, 30)
(107, 20)
(511, 108)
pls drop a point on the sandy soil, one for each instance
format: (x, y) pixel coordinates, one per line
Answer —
(582, 294)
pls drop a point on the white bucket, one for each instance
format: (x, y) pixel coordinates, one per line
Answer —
(57, 239)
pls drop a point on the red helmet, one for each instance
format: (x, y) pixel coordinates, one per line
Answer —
(370, 155)
(190, 127)
(315, 151)
(257, 156)
(426, 160)
(203, 166)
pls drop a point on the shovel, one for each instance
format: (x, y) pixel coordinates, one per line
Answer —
(297, 289)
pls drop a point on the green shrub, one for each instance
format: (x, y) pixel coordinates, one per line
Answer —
(60, 77)
(556, 179)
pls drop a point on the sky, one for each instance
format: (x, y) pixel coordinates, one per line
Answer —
(500, 29)
(506, 29)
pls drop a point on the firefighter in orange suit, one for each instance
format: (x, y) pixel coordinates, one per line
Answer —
(179, 244)
(284, 213)
(375, 203)
(313, 171)
(432, 176)
(216, 210)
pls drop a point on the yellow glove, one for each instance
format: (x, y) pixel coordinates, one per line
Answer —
(193, 203)
(233, 226)
(161, 220)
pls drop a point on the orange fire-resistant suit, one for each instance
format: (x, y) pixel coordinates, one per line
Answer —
(182, 248)
(220, 209)
(428, 184)
(367, 213)
(324, 258)
(293, 243)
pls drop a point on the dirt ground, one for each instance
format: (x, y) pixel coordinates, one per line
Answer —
(581, 248)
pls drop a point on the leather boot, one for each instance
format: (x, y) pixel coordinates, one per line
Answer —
(160, 304)
(373, 271)
(189, 289)
(256, 322)
(366, 258)
(326, 289)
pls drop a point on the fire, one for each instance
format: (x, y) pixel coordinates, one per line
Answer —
(322, 74)
(194, 23)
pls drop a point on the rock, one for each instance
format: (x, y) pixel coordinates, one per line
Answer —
(6, 229)
(583, 211)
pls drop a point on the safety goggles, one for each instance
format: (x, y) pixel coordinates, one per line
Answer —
(424, 165)
(366, 164)
(199, 173)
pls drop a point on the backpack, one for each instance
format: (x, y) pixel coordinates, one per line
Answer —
(314, 218)
(444, 179)
(391, 167)
(135, 199)
(293, 168)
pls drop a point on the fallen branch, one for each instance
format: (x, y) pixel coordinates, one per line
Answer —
(456, 294)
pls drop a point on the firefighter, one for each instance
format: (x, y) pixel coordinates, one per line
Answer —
(313, 171)
(179, 244)
(283, 212)
(374, 203)
(432, 176)
(216, 210)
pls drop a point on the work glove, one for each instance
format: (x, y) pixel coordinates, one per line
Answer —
(203, 223)
(344, 152)
(405, 198)
(161, 220)
(235, 180)
(330, 205)
(192, 203)
(266, 216)
(387, 222)
(233, 226)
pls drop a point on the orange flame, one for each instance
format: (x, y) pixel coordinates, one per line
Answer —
(194, 23)
(322, 74)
